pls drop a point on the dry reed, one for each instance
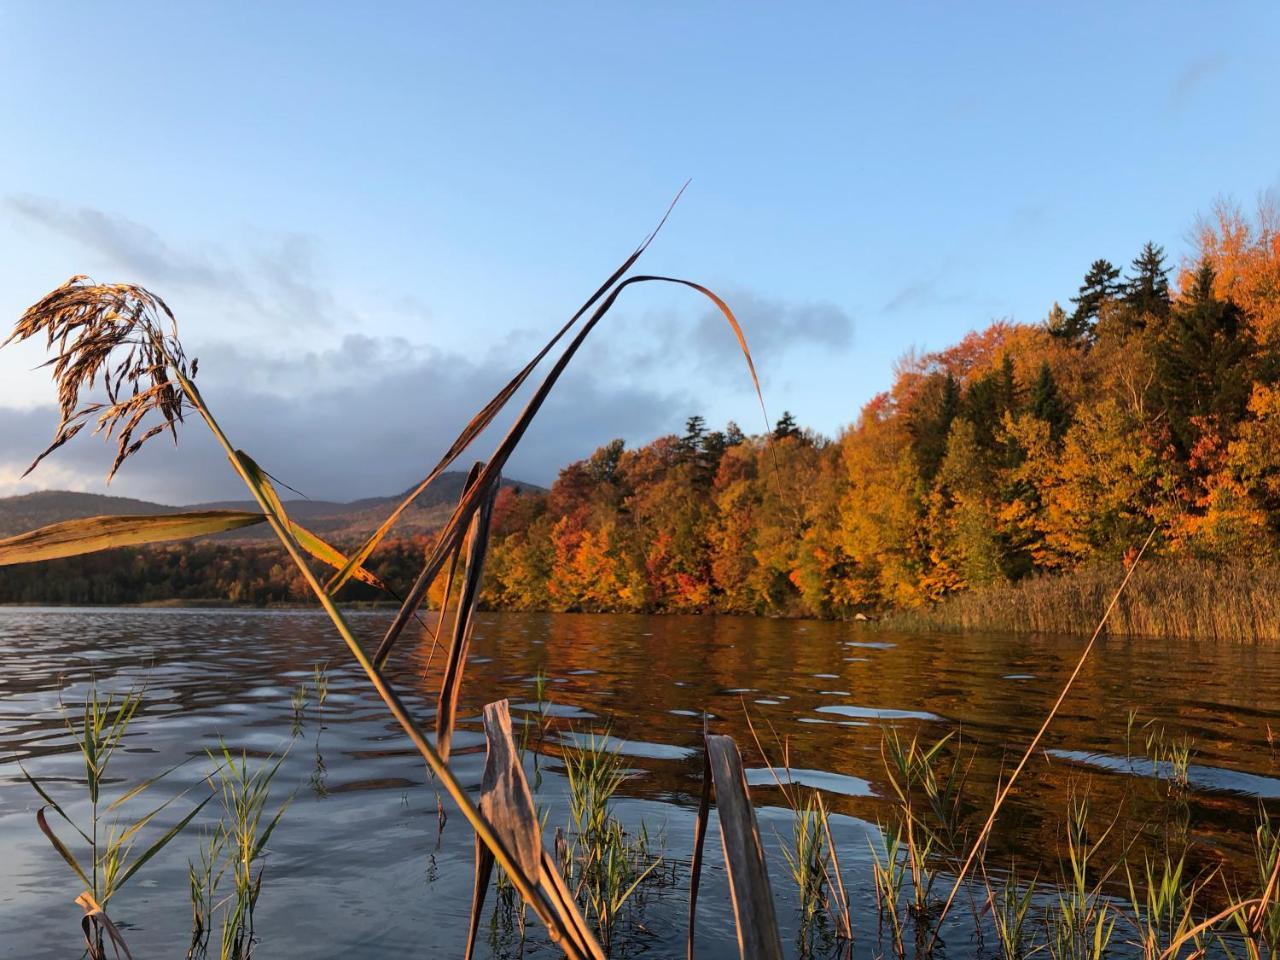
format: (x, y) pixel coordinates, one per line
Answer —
(1167, 598)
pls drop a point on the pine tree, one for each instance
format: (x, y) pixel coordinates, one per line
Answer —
(1101, 284)
(695, 429)
(1008, 392)
(1202, 361)
(714, 444)
(733, 435)
(1057, 322)
(936, 408)
(786, 426)
(1046, 403)
(1146, 291)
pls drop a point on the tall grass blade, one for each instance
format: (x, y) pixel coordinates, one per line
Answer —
(160, 844)
(463, 622)
(481, 420)
(71, 538)
(450, 536)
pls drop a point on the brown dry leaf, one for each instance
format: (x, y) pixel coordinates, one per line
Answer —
(758, 936)
(451, 685)
(89, 534)
(94, 923)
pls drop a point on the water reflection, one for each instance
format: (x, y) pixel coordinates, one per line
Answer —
(363, 839)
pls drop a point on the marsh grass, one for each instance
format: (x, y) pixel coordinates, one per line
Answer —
(604, 865)
(925, 827)
(227, 882)
(1083, 923)
(319, 769)
(813, 860)
(110, 842)
(1173, 598)
(1010, 908)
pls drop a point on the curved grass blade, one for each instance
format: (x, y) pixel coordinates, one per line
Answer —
(139, 788)
(71, 538)
(450, 537)
(58, 845)
(51, 803)
(484, 870)
(490, 410)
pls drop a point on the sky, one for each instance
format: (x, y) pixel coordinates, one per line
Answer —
(366, 218)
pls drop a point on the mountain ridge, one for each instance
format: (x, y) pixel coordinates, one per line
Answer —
(28, 511)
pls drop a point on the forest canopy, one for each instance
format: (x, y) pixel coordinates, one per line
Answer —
(1150, 401)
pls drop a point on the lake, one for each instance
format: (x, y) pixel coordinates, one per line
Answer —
(358, 867)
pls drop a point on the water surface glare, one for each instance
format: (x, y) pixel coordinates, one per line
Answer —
(358, 870)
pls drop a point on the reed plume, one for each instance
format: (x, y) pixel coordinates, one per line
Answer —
(119, 334)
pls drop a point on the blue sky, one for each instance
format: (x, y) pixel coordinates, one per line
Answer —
(365, 218)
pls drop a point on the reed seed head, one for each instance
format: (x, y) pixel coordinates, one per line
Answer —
(122, 336)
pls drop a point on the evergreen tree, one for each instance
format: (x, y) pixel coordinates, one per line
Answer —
(1101, 285)
(937, 407)
(733, 435)
(982, 408)
(1046, 403)
(713, 447)
(1008, 386)
(602, 466)
(786, 426)
(694, 430)
(1202, 362)
(1146, 291)
(1057, 322)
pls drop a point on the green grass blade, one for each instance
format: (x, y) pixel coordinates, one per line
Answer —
(160, 844)
(61, 848)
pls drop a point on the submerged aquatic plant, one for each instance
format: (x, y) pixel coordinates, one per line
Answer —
(112, 861)
(1081, 926)
(1010, 909)
(232, 856)
(603, 864)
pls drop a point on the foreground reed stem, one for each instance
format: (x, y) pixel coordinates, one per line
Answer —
(559, 933)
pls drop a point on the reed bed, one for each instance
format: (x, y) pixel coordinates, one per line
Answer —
(1166, 598)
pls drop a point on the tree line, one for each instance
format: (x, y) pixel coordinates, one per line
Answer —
(1152, 402)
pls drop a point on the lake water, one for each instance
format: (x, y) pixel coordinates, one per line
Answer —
(359, 869)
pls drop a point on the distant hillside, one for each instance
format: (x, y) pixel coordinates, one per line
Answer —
(335, 520)
(31, 510)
